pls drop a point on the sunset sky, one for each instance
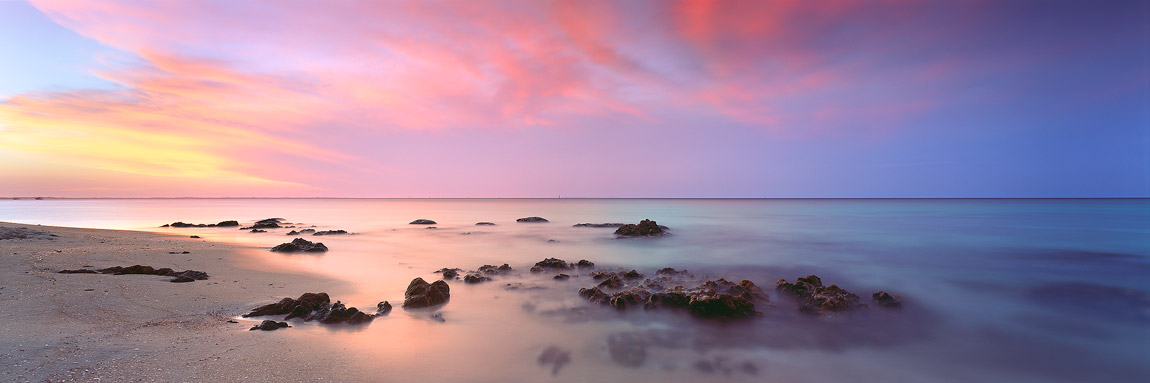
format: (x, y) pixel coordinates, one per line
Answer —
(251, 98)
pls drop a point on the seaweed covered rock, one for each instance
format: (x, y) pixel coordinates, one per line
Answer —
(300, 244)
(422, 221)
(814, 298)
(422, 294)
(550, 264)
(717, 299)
(645, 228)
(532, 220)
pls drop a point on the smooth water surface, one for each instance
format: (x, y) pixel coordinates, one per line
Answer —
(995, 290)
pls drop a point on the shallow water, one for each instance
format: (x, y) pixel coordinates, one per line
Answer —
(995, 290)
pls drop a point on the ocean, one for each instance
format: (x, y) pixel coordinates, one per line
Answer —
(1020, 290)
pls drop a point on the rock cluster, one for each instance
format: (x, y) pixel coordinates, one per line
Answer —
(318, 307)
(221, 224)
(645, 228)
(717, 299)
(300, 244)
(814, 298)
(179, 276)
(422, 294)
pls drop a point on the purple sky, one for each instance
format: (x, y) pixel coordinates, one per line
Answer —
(575, 98)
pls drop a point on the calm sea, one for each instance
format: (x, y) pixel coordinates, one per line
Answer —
(995, 290)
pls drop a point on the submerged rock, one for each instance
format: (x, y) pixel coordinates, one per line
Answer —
(422, 221)
(532, 219)
(300, 244)
(555, 357)
(550, 264)
(269, 325)
(422, 294)
(484, 224)
(645, 228)
(599, 225)
(814, 298)
(562, 277)
(330, 232)
(301, 232)
(258, 231)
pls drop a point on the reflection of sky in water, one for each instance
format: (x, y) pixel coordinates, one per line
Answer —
(1039, 290)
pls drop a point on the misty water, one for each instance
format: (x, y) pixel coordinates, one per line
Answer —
(994, 290)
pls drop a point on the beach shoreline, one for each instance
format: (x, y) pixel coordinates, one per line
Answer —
(97, 327)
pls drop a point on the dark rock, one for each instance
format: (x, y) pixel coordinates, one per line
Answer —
(422, 294)
(194, 236)
(451, 273)
(612, 281)
(305, 304)
(585, 264)
(599, 225)
(293, 232)
(475, 278)
(338, 313)
(422, 221)
(627, 349)
(431, 227)
(555, 357)
(300, 244)
(632, 274)
(269, 325)
(884, 299)
(645, 228)
(550, 264)
(562, 277)
(78, 271)
(484, 224)
(814, 298)
(134, 269)
(552, 241)
(331, 232)
(228, 223)
(266, 221)
(532, 219)
(314, 307)
(493, 270)
(258, 231)
(382, 308)
(189, 276)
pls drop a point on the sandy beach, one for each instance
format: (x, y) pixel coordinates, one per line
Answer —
(128, 328)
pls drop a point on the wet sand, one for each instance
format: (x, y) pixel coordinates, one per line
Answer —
(126, 328)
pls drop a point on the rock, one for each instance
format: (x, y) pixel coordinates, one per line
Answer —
(562, 277)
(422, 294)
(550, 264)
(382, 308)
(422, 221)
(718, 299)
(627, 349)
(189, 276)
(884, 299)
(450, 273)
(314, 307)
(612, 281)
(632, 274)
(194, 236)
(331, 232)
(599, 225)
(532, 219)
(814, 298)
(300, 244)
(585, 264)
(306, 303)
(484, 224)
(269, 220)
(555, 357)
(228, 223)
(475, 278)
(269, 325)
(432, 227)
(134, 269)
(293, 232)
(645, 228)
(78, 271)
(552, 241)
(258, 231)
(493, 270)
(338, 313)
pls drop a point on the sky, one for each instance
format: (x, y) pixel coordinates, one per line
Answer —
(541, 98)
